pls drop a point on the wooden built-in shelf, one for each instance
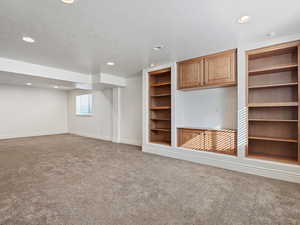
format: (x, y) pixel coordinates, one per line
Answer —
(273, 69)
(274, 85)
(273, 139)
(273, 158)
(161, 129)
(162, 119)
(273, 104)
(161, 84)
(160, 107)
(272, 120)
(161, 95)
(273, 100)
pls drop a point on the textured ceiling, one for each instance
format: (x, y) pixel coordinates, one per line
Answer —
(84, 36)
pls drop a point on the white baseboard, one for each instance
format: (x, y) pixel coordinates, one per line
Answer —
(274, 170)
(131, 141)
(104, 138)
(5, 137)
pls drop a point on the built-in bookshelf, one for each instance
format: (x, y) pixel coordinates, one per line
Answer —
(160, 106)
(273, 103)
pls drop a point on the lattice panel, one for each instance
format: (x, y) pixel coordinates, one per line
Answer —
(221, 141)
(194, 141)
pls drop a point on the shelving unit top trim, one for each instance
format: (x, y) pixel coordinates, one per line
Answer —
(273, 50)
(158, 72)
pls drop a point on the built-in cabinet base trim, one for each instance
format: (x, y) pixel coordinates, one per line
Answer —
(263, 168)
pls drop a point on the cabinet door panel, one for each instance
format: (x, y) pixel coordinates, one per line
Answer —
(192, 139)
(220, 141)
(220, 69)
(190, 74)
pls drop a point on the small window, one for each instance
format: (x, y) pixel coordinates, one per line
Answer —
(84, 104)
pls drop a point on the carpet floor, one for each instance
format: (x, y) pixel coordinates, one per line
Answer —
(72, 180)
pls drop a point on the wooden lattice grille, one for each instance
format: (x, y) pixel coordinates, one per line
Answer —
(221, 141)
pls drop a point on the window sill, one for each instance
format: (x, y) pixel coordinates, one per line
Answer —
(88, 115)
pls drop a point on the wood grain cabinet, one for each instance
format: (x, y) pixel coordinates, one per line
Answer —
(219, 141)
(191, 73)
(189, 138)
(220, 68)
(217, 70)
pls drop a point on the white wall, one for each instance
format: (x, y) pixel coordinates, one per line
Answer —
(131, 111)
(28, 111)
(99, 125)
(208, 108)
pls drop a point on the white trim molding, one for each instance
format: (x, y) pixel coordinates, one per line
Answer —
(280, 171)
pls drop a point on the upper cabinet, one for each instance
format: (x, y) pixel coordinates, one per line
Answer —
(217, 70)
(190, 73)
(220, 68)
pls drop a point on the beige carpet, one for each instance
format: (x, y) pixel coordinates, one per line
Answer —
(71, 180)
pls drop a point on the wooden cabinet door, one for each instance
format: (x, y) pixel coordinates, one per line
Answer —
(220, 68)
(192, 139)
(190, 73)
(220, 141)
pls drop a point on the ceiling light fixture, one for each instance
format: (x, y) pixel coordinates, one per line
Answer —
(271, 34)
(110, 63)
(244, 19)
(28, 84)
(28, 39)
(55, 87)
(158, 47)
(68, 1)
(152, 65)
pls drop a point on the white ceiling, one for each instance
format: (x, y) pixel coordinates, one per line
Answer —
(84, 36)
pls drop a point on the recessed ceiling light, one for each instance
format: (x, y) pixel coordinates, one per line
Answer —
(55, 86)
(28, 84)
(271, 34)
(68, 1)
(244, 19)
(158, 47)
(152, 65)
(28, 39)
(110, 63)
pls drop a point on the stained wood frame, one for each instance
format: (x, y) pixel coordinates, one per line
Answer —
(291, 143)
(160, 106)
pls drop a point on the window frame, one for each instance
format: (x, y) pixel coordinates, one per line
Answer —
(78, 105)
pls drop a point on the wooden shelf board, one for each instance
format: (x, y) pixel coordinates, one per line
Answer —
(161, 84)
(272, 120)
(159, 72)
(161, 142)
(161, 119)
(273, 139)
(161, 95)
(280, 68)
(273, 104)
(161, 129)
(273, 158)
(160, 107)
(274, 85)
